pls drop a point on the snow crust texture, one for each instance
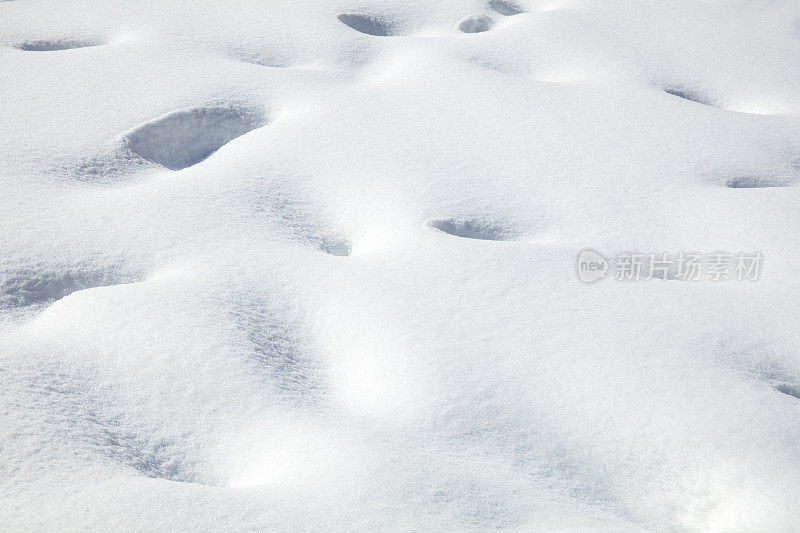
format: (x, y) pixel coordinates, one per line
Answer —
(312, 265)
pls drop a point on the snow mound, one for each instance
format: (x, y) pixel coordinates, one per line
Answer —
(476, 24)
(505, 8)
(368, 24)
(472, 229)
(689, 94)
(45, 284)
(184, 138)
(59, 44)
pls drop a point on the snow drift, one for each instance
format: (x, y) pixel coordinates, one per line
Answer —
(312, 265)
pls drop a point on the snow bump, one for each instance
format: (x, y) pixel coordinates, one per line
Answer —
(693, 95)
(57, 44)
(471, 229)
(184, 138)
(31, 286)
(505, 8)
(476, 24)
(368, 24)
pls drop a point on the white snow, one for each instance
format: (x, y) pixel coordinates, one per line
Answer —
(312, 265)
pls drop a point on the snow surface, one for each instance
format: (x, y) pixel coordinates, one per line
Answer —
(311, 265)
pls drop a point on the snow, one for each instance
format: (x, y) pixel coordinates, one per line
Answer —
(312, 266)
(184, 138)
